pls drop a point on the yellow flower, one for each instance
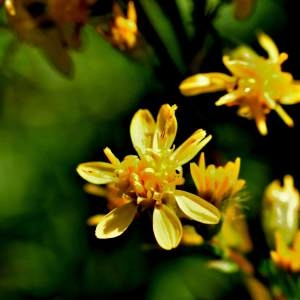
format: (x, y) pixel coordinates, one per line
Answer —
(220, 186)
(257, 84)
(217, 184)
(148, 180)
(285, 257)
(281, 210)
(123, 31)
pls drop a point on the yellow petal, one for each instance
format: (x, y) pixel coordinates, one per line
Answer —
(10, 7)
(116, 222)
(210, 178)
(229, 98)
(95, 190)
(206, 83)
(111, 157)
(190, 237)
(267, 43)
(96, 172)
(236, 169)
(198, 176)
(197, 208)
(238, 68)
(188, 149)
(238, 186)
(94, 220)
(167, 227)
(142, 129)
(261, 124)
(131, 12)
(166, 127)
(292, 96)
(284, 116)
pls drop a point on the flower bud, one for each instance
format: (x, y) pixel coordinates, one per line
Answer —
(280, 210)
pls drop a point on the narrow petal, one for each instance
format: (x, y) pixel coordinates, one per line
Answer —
(197, 208)
(198, 176)
(229, 98)
(167, 227)
(94, 220)
(210, 178)
(238, 68)
(236, 169)
(131, 12)
(111, 157)
(142, 129)
(238, 186)
(261, 124)
(95, 190)
(190, 236)
(116, 222)
(188, 149)
(284, 116)
(206, 83)
(96, 172)
(267, 43)
(10, 7)
(292, 96)
(166, 129)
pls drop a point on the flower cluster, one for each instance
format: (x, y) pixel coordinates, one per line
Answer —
(221, 186)
(257, 85)
(149, 180)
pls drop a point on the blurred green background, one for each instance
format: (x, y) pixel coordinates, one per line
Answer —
(50, 123)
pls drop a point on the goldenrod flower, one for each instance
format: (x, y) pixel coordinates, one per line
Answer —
(123, 31)
(148, 180)
(287, 257)
(281, 209)
(220, 186)
(257, 85)
(217, 184)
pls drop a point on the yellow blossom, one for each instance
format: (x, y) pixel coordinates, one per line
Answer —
(217, 184)
(281, 209)
(149, 180)
(220, 186)
(257, 85)
(123, 30)
(284, 256)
